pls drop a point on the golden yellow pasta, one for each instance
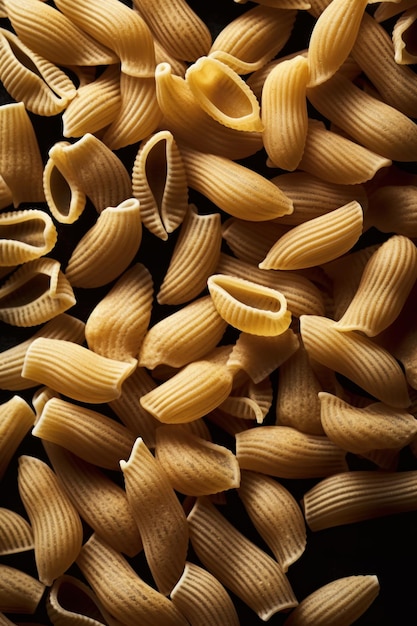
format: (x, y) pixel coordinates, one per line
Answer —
(15, 533)
(403, 35)
(25, 235)
(249, 400)
(251, 241)
(388, 9)
(19, 592)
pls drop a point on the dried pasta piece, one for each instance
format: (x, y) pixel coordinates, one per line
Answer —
(20, 158)
(284, 112)
(29, 78)
(57, 529)
(224, 95)
(51, 34)
(403, 36)
(251, 40)
(201, 598)
(159, 515)
(62, 326)
(351, 497)
(75, 371)
(249, 400)
(357, 430)
(19, 592)
(250, 241)
(98, 500)
(339, 603)
(193, 465)
(120, 336)
(6, 197)
(117, 27)
(336, 159)
(121, 590)
(318, 240)
(194, 259)
(386, 282)
(276, 515)
(248, 306)
(332, 38)
(92, 436)
(284, 452)
(386, 10)
(108, 248)
(184, 336)
(15, 533)
(25, 235)
(76, 171)
(237, 563)
(392, 208)
(163, 199)
(356, 357)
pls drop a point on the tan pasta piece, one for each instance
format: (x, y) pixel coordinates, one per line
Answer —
(249, 307)
(249, 400)
(339, 603)
(318, 240)
(62, 326)
(284, 452)
(251, 241)
(332, 38)
(20, 158)
(375, 427)
(392, 208)
(6, 197)
(386, 10)
(19, 592)
(201, 598)
(120, 336)
(184, 117)
(121, 590)
(184, 336)
(403, 36)
(284, 112)
(108, 248)
(276, 515)
(351, 497)
(194, 259)
(254, 38)
(163, 199)
(195, 466)
(57, 528)
(29, 78)
(51, 34)
(159, 515)
(98, 500)
(25, 235)
(76, 171)
(75, 371)
(35, 293)
(386, 282)
(237, 563)
(15, 533)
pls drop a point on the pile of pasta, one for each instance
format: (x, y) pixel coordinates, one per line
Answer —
(211, 271)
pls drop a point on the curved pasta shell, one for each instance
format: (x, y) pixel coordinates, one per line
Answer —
(402, 38)
(250, 400)
(284, 112)
(159, 516)
(276, 515)
(94, 437)
(57, 528)
(249, 307)
(35, 293)
(51, 34)
(237, 563)
(393, 209)
(25, 235)
(20, 158)
(386, 282)
(357, 430)
(285, 452)
(184, 117)
(389, 9)
(16, 419)
(120, 337)
(224, 95)
(339, 603)
(108, 248)
(199, 595)
(75, 371)
(19, 592)
(356, 357)
(29, 78)
(194, 466)
(195, 256)
(163, 199)
(250, 241)
(332, 38)
(15, 533)
(318, 240)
